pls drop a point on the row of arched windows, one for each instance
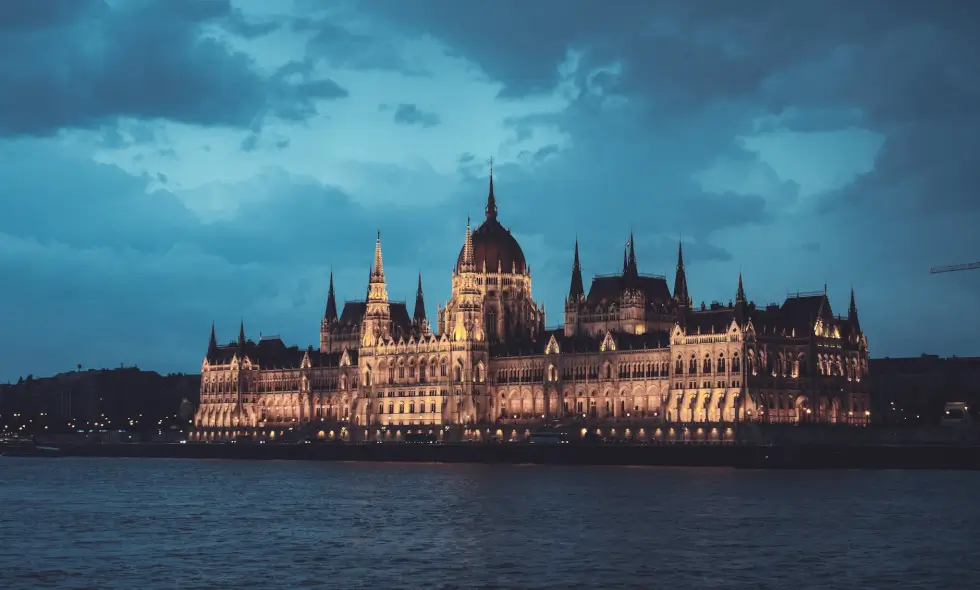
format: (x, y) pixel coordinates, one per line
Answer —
(411, 407)
(707, 366)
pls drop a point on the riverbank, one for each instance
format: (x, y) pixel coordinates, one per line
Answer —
(738, 456)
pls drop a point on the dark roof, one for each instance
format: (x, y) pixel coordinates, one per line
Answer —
(709, 321)
(579, 343)
(493, 245)
(401, 321)
(610, 287)
(798, 313)
(272, 353)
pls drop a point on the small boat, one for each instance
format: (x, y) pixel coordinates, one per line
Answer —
(26, 447)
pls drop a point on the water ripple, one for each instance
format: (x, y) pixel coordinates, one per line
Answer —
(180, 524)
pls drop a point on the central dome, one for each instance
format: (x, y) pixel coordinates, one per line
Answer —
(494, 245)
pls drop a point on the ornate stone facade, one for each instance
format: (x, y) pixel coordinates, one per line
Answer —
(633, 360)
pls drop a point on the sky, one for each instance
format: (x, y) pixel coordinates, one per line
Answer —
(169, 164)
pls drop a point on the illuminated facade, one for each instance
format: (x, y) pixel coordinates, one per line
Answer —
(633, 360)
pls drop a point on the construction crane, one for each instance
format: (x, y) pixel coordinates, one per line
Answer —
(954, 267)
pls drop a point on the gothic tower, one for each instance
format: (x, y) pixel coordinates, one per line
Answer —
(376, 326)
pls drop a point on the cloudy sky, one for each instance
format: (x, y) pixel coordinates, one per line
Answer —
(165, 164)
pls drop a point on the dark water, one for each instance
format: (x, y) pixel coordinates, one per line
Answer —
(140, 523)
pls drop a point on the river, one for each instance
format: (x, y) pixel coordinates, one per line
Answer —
(155, 524)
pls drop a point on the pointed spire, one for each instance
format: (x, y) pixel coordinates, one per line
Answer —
(379, 269)
(680, 279)
(740, 294)
(626, 258)
(576, 289)
(491, 199)
(212, 343)
(469, 263)
(419, 315)
(631, 269)
(852, 312)
(331, 312)
(241, 334)
(367, 295)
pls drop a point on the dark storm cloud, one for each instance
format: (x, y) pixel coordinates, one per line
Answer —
(107, 264)
(346, 49)
(84, 64)
(290, 221)
(409, 114)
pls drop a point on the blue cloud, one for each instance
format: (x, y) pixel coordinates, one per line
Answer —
(239, 175)
(409, 114)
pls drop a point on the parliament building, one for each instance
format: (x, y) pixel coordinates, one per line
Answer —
(634, 360)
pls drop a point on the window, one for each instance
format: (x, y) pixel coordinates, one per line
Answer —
(706, 365)
(411, 408)
(459, 374)
(445, 368)
(736, 364)
(721, 364)
(401, 372)
(391, 374)
(411, 371)
(401, 407)
(381, 408)
(692, 366)
(391, 408)
(432, 407)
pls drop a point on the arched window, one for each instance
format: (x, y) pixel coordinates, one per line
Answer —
(721, 363)
(736, 363)
(401, 407)
(477, 376)
(706, 365)
(401, 371)
(459, 374)
(679, 366)
(692, 366)
(391, 374)
(445, 368)
(432, 407)
(381, 408)
(411, 407)
(391, 408)
(411, 371)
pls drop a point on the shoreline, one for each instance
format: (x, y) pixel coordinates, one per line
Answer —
(824, 456)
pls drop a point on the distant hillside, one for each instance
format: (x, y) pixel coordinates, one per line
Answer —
(121, 398)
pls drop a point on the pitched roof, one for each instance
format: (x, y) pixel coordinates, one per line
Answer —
(611, 287)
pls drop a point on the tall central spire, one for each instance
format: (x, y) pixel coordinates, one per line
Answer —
(491, 199)
(377, 290)
(469, 262)
(379, 270)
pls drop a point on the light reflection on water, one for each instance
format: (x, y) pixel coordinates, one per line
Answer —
(145, 523)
